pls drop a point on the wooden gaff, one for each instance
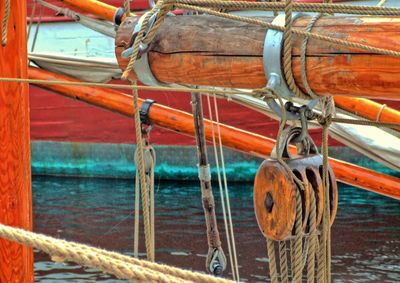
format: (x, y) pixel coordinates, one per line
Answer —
(368, 109)
(94, 7)
(182, 122)
(206, 50)
(16, 261)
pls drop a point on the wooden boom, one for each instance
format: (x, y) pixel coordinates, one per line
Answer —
(212, 51)
(16, 261)
(94, 7)
(182, 122)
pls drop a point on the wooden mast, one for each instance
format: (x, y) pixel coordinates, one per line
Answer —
(16, 261)
(182, 122)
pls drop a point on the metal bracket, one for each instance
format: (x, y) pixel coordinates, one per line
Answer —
(142, 66)
(217, 262)
(118, 16)
(272, 58)
(144, 111)
(305, 146)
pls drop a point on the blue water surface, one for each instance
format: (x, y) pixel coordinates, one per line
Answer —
(99, 212)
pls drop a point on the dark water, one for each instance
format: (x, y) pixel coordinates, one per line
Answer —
(366, 234)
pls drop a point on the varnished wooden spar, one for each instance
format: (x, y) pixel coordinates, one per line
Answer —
(182, 122)
(368, 109)
(206, 50)
(94, 7)
(16, 261)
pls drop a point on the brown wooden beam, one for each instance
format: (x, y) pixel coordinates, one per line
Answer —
(207, 50)
(16, 261)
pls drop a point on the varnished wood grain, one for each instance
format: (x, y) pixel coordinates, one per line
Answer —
(205, 50)
(16, 261)
(272, 179)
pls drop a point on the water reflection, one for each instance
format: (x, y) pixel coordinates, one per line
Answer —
(99, 212)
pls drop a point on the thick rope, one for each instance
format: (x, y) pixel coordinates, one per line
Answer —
(303, 58)
(287, 51)
(298, 7)
(149, 159)
(137, 215)
(4, 24)
(283, 263)
(298, 241)
(142, 174)
(136, 87)
(323, 272)
(122, 266)
(272, 261)
(313, 238)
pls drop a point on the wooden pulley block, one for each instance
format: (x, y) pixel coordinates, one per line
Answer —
(275, 190)
(274, 200)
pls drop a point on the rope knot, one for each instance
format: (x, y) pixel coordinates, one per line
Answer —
(325, 121)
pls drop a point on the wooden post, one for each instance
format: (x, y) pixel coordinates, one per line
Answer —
(16, 261)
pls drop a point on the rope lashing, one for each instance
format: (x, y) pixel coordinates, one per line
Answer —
(287, 51)
(4, 23)
(122, 266)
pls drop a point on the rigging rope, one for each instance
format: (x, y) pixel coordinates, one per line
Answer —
(35, 36)
(122, 266)
(4, 24)
(226, 209)
(142, 175)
